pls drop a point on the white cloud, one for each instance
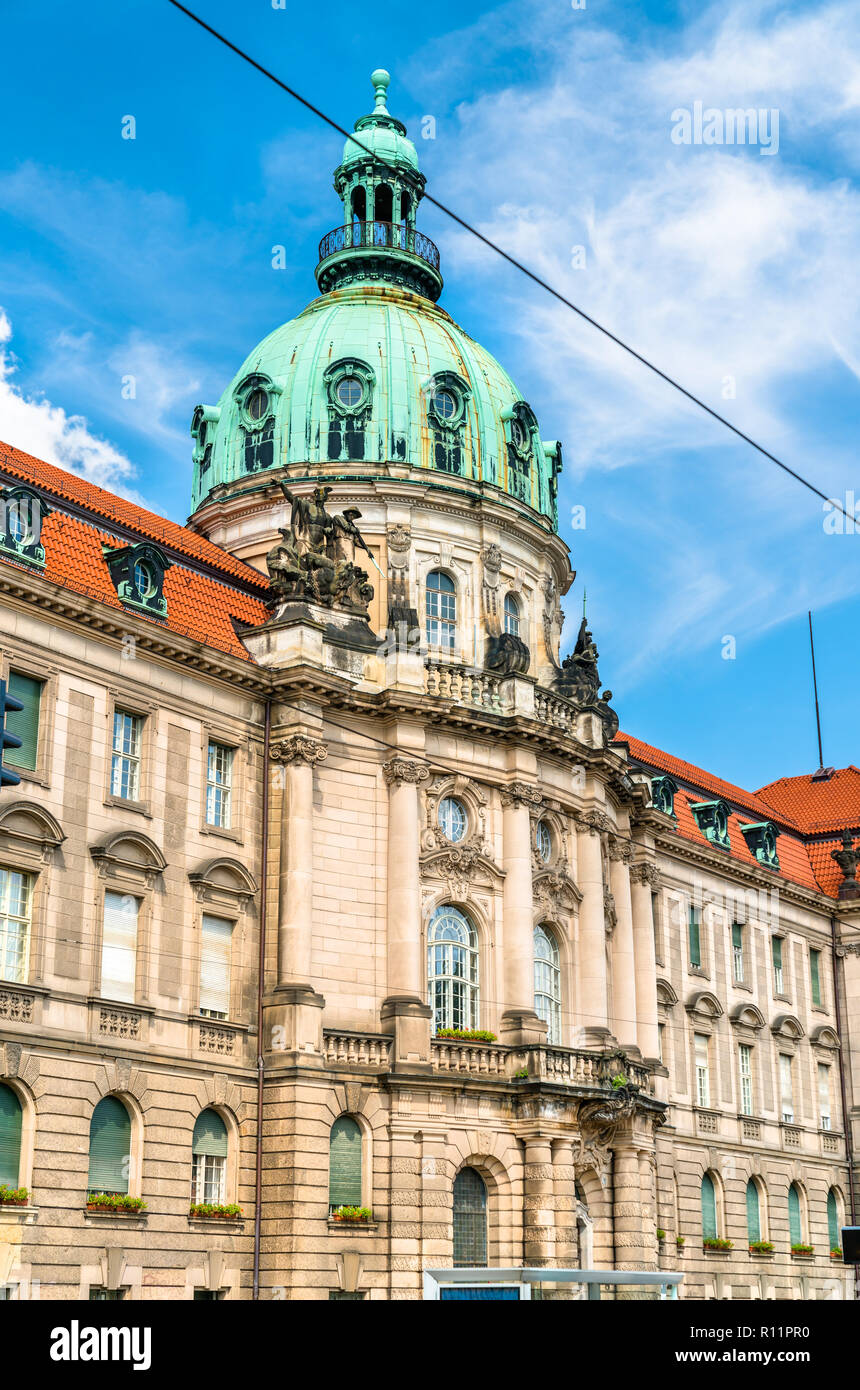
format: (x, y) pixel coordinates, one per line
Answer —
(45, 430)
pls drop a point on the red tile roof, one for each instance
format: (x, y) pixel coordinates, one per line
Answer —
(833, 804)
(200, 605)
(796, 806)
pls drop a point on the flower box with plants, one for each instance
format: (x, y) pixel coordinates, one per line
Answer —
(836, 1252)
(465, 1034)
(521, 1075)
(717, 1243)
(679, 1241)
(13, 1196)
(661, 1236)
(216, 1211)
(117, 1203)
(803, 1249)
(355, 1214)
(761, 1247)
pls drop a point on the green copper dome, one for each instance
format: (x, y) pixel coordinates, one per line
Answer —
(373, 372)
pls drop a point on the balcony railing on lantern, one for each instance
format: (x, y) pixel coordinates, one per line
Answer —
(392, 236)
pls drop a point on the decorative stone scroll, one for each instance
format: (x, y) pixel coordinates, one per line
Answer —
(645, 873)
(298, 748)
(520, 794)
(398, 770)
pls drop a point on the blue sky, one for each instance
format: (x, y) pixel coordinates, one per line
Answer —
(735, 270)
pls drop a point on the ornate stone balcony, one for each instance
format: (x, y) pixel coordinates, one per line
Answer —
(345, 1049)
(465, 685)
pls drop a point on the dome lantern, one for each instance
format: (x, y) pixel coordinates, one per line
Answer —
(380, 186)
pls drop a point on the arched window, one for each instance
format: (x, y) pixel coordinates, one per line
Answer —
(470, 1218)
(709, 1208)
(834, 1234)
(548, 982)
(11, 1117)
(359, 205)
(209, 1158)
(110, 1147)
(452, 969)
(753, 1212)
(344, 1164)
(512, 615)
(795, 1215)
(383, 204)
(441, 610)
(453, 819)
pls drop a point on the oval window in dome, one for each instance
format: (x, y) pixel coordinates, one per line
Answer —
(445, 405)
(349, 391)
(142, 579)
(518, 434)
(257, 404)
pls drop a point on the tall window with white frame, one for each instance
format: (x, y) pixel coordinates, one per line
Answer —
(126, 754)
(219, 786)
(824, 1095)
(209, 1159)
(776, 957)
(216, 937)
(16, 907)
(694, 932)
(119, 947)
(815, 977)
(786, 1088)
(512, 615)
(738, 952)
(441, 611)
(745, 1061)
(702, 1045)
(452, 969)
(547, 982)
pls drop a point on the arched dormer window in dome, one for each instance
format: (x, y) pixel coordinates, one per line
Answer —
(761, 841)
(22, 513)
(447, 396)
(663, 791)
(256, 397)
(520, 430)
(349, 384)
(203, 423)
(137, 573)
(712, 818)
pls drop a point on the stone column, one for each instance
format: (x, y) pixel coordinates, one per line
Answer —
(592, 932)
(564, 1184)
(295, 1023)
(539, 1202)
(520, 1023)
(631, 1249)
(644, 878)
(623, 961)
(405, 1010)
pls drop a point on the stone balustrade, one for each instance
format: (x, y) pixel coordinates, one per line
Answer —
(464, 684)
(555, 711)
(565, 1066)
(342, 1049)
(476, 1059)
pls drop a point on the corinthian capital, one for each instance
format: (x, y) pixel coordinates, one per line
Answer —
(398, 770)
(645, 873)
(298, 748)
(521, 794)
(620, 849)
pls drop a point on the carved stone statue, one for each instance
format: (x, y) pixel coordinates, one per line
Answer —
(579, 679)
(315, 559)
(848, 859)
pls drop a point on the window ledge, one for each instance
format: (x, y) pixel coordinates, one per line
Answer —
(124, 1217)
(761, 1254)
(29, 774)
(142, 808)
(810, 1258)
(742, 984)
(221, 833)
(10, 1215)
(234, 1224)
(230, 1023)
(352, 1226)
(720, 1253)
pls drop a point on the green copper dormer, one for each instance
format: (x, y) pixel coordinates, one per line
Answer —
(380, 186)
(373, 377)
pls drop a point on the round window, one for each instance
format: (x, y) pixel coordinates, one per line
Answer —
(257, 404)
(142, 579)
(445, 405)
(18, 527)
(543, 840)
(349, 391)
(452, 818)
(518, 434)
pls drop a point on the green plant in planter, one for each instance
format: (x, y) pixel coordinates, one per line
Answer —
(761, 1247)
(661, 1235)
(352, 1214)
(802, 1249)
(679, 1241)
(836, 1252)
(13, 1196)
(216, 1209)
(618, 1081)
(466, 1034)
(521, 1075)
(717, 1243)
(114, 1201)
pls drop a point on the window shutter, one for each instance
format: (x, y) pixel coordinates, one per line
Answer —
(215, 964)
(10, 1137)
(24, 723)
(794, 1227)
(709, 1209)
(210, 1135)
(110, 1147)
(695, 939)
(344, 1181)
(832, 1219)
(815, 976)
(737, 937)
(119, 947)
(753, 1218)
